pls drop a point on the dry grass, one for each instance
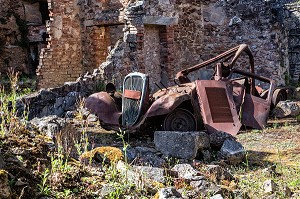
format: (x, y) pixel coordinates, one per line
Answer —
(277, 145)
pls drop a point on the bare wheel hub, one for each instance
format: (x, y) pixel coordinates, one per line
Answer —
(180, 120)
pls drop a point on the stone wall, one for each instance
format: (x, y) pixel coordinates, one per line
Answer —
(102, 26)
(156, 37)
(163, 37)
(22, 35)
(61, 61)
(189, 36)
(254, 23)
(291, 21)
(152, 53)
(207, 28)
(13, 41)
(98, 42)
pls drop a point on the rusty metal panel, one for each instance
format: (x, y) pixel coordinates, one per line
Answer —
(104, 106)
(166, 100)
(217, 106)
(132, 94)
(166, 104)
(255, 111)
(238, 95)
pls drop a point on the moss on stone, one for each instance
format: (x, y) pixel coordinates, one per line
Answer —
(112, 154)
(3, 175)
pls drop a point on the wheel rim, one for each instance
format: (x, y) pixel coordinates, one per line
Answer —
(279, 95)
(180, 120)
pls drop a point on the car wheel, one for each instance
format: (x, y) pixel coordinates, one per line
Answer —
(278, 95)
(180, 120)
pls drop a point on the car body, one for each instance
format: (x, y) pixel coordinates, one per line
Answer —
(225, 102)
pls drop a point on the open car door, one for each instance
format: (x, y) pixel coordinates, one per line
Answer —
(217, 106)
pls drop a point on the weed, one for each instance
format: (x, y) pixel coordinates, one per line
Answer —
(8, 119)
(295, 183)
(43, 188)
(67, 192)
(298, 118)
(59, 163)
(100, 85)
(246, 163)
(170, 162)
(121, 135)
(82, 144)
(275, 125)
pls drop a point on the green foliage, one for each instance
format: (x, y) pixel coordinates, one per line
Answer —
(9, 121)
(287, 79)
(59, 163)
(8, 118)
(43, 188)
(121, 135)
(119, 189)
(295, 183)
(298, 118)
(82, 144)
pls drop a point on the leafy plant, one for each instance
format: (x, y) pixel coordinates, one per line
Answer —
(121, 135)
(8, 101)
(59, 163)
(43, 188)
(82, 144)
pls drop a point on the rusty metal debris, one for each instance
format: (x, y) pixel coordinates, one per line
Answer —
(230, 99)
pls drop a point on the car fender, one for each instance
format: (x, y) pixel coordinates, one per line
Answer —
(103, 105)
(167, 104)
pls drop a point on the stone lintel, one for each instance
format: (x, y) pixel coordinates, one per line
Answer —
(160, 20)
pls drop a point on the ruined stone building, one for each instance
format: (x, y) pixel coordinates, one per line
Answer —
(62, 39)
(22, 34)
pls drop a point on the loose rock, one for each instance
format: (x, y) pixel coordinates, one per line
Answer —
(218, 173)
(185, 171)
(145, 156)
(5, 191)
(297, 93)
(169, 193)
(232, 151)
(50, 125)
(217, 139)
(63, 133)
(218, 196)
(270, 186)
(287, 191)
(234, 21)
(286, 108)
(184, 145)
(153, 173)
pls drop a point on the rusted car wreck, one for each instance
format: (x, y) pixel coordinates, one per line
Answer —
(230, 99)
